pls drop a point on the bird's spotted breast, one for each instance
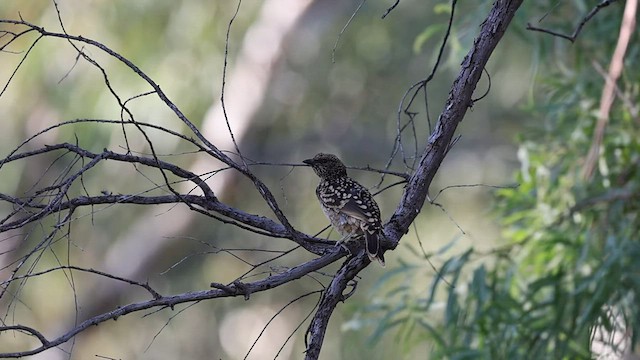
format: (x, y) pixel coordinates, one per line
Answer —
(348, 205)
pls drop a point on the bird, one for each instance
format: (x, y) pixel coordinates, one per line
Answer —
(349, 206)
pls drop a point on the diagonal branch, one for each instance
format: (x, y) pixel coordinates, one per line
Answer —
(608, 92)
(330, 298)
(415, 193)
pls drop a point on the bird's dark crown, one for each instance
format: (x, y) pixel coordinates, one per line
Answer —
(327, 166)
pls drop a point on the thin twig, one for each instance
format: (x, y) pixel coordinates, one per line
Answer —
(576, 32)
(145, 286)
(344, 28)
(390, 9)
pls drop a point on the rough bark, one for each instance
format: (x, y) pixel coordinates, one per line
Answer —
(413, 198)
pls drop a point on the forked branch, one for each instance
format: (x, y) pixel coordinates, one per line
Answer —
(413, 198)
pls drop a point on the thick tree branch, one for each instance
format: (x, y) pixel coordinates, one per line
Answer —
(416, 191)
(330, 298)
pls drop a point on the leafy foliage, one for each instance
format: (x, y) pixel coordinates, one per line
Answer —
(568, 272)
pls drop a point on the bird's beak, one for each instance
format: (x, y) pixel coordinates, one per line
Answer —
(308, 161)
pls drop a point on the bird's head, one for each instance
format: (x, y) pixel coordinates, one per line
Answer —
(327, 166)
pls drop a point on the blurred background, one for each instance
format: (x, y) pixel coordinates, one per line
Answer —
(295, 86)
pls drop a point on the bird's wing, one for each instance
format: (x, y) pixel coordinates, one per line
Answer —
(356, 208)
(362, 206)
(352, 199)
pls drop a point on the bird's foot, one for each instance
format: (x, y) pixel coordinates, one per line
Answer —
(345, 247)
(344, 239)
(342, 242)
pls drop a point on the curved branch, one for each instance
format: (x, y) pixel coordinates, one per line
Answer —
(28, 330)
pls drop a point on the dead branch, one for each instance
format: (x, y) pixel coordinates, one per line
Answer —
(415, 193)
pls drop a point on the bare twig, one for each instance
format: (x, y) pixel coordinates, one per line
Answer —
(458, 102)
(602, 4)
(344, 28)
(428, 258)
(224, 82)
(390, 9)
(204, 204)
(145, 286)
(264, 328)
(409, 97)
(209, 147)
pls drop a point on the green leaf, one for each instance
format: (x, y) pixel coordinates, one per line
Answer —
(425, 35)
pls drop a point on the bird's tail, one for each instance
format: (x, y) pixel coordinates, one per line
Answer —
(372, 244)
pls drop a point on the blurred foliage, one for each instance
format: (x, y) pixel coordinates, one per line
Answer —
(568, 269)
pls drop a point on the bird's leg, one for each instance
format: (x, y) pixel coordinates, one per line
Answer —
(346, 248)
(344, 239)
(341, 242)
